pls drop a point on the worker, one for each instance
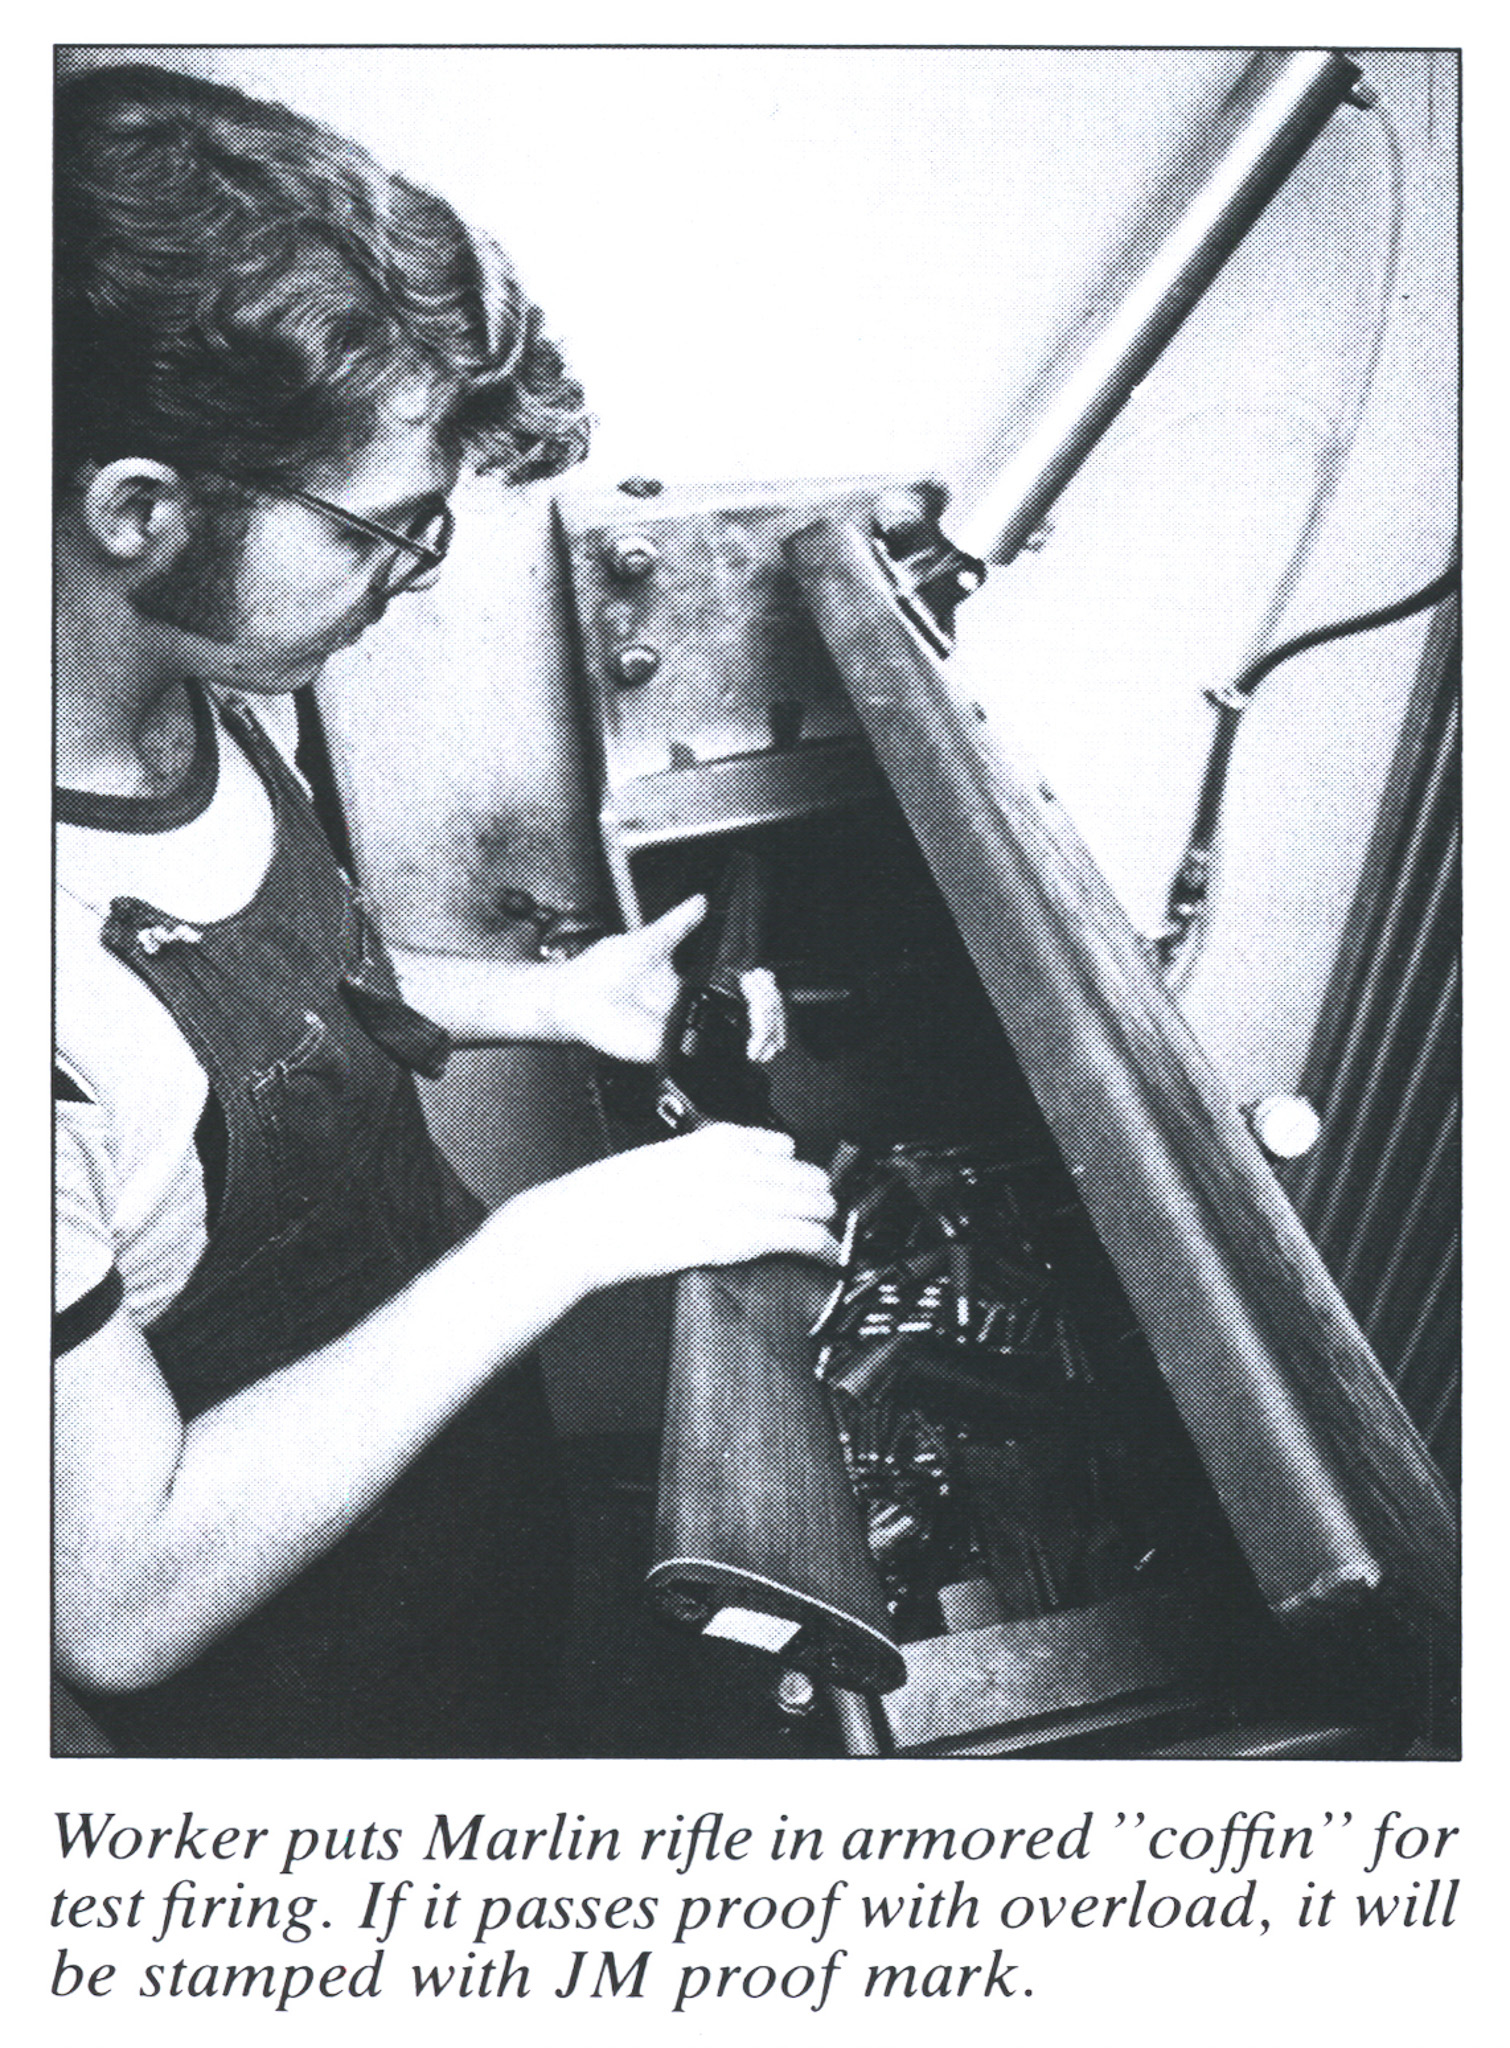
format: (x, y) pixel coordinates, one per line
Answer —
(306, 1499)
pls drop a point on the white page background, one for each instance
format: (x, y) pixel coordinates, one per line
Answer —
(1143, 1987)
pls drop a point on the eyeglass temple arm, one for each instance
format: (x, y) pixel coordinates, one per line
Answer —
(370, 527)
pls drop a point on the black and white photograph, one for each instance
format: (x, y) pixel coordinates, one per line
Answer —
(757, 853)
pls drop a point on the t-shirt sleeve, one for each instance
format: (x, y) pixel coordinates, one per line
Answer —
(87, 1288)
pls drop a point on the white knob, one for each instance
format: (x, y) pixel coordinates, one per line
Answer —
(1287, 1126)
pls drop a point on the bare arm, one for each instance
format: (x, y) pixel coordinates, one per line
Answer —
(484, 1002)
(615, 996)
(168, 1534)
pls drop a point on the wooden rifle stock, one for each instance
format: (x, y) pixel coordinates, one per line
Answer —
(758, 1532)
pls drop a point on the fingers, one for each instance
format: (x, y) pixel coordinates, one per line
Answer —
(817, 1243)
(721, 1195)
(802, 1201)
(745, 1138)
(761, 1176)
(668, 931)
(767, 1014)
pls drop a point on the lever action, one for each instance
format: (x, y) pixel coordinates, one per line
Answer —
(705, 1073)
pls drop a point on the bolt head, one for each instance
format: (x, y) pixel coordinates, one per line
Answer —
(631, 557)
(795, 1693)
(899, 514)
(635, 663)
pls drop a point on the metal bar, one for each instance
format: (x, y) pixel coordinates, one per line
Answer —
(1447, 1327)
(1411, 1389)
(1407, 1113)
(1278, 107)
(1382, 1316)
(1272, 1740)
(1423, 867)
(857, 1722)
(1385, 1044)
(1416, 801)
(1147, 1647)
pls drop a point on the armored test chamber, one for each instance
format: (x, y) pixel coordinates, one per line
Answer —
(1211, 1529)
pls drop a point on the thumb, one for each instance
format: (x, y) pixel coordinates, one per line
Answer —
(668, 931)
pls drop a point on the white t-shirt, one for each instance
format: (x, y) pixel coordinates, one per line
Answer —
(130, 1187)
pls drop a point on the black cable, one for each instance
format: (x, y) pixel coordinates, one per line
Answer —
(1190, 887)
(1365, 622)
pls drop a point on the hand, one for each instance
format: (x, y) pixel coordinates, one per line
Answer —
(720, 1196)
(617, 995)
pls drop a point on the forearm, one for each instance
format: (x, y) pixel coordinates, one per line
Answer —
(184, 1532)
(481, 1001)
(166, 1536)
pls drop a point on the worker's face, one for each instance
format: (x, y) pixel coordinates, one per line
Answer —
(267, 590)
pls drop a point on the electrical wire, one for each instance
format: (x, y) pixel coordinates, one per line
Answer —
(1236, 694)
(1176, 945)
(1189, 890)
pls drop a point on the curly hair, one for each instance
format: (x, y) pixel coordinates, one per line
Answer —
(239, 288)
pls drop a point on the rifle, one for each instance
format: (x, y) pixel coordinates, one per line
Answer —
(705, 1074)
(1325, 1483)
(758, 1533)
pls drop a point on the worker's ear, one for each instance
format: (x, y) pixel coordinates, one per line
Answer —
(134, 509)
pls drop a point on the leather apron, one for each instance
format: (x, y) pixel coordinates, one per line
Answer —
(430, 1629)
